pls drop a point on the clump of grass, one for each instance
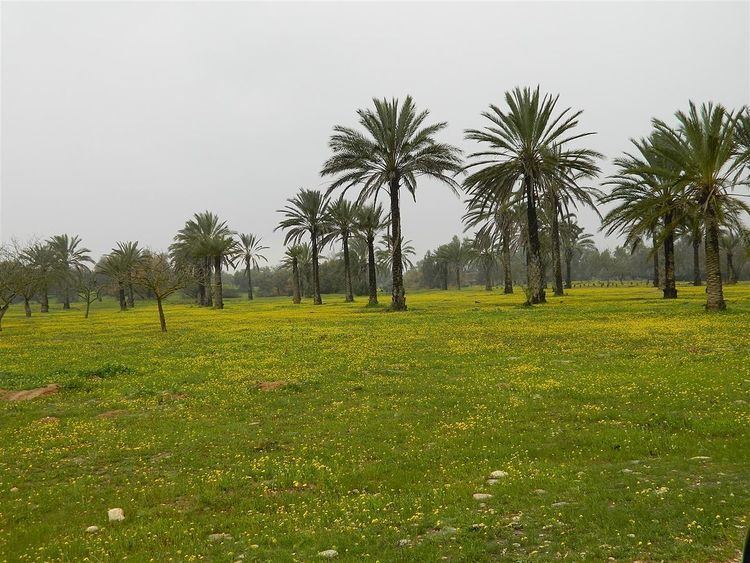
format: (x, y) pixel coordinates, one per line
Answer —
(106, 370)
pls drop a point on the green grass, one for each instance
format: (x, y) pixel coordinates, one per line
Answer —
(387, 425)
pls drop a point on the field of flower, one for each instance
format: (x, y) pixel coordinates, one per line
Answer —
(620, 422)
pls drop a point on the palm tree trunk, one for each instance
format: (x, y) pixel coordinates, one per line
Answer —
(218, 290)
(696, 263)
(371, 274)
(27, 307)
(488, 278)
(568, 270)
(556, 258)
(88, 306)
(249, 280)
(66, 298)
(398, 294)
(507, 274)
(207, 281)
(731, 273)
(347, 269)
(458, 277)
(44, 299)
(296, 292)
(670, 290)
(445, 277)
(714, 290)
(535, 264)
(656, 259)
(317, 299)
(162, 320)
(201, 292)
(131, 295)
(121, 295)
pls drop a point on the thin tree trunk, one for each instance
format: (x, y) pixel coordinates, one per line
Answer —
(27, 307)
(714, 290)
(248, 269)
(488, 278)
(131, 295)
(656, 260)
(670, 289)
(317, 299)
(296, 292)
(731, 273)
(162, 320)
(535, 264)
(372, 277)
(207, 281)
(44, 300)
(3, 309)
(347, 270)
(696, 264)
(218, 290)
(458, 277)
(88, 306)
(121, 295)
(201, 292)
(568, 270)
(556, 259)
(398, 294)
(66, 299)
(445, 277)
(507, 274)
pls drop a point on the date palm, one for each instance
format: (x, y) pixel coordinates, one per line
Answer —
(70, 257)
(342, 221)
(249, 251)
(704, 148)
(384, 255)
(392, 151)
(42, 257)
(206, 236)
(647, 198)
(369, 222)
(291, 260)
(692, 230)
(306, 215)
(527, 153)
(130, 257)
(485, 247)
(575, 242)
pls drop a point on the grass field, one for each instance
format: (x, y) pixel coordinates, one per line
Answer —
(620, 419)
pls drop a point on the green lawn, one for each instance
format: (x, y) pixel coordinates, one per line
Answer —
(620, 419)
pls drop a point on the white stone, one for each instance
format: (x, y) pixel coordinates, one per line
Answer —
(92, 529)
(493, 481)
(482, 496)
(328, 553)
(116, 514)
(219, 537)
(498, 474)
(700, 457)
(404, 543)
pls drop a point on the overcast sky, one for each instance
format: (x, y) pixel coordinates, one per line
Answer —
(120, 120)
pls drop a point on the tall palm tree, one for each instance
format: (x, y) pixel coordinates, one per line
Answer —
(41, 256)
(249, 251)
(485, 247)
(206, 236)
(691, 229)
(384, 255)
(705, 150)
(647, 197)
(369, 222)
(70, 257)
(575, 241)
(342, 221)
(306, 214)
(292, 260)
(527, 153)
(459, 253)
(115, 266)
(130, 257)
(395, 148)
(733, 236)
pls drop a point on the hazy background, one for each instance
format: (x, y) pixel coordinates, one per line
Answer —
(120, 120)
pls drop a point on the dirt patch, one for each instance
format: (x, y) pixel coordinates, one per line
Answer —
(28, 394)
(271, 385)
(111, 414)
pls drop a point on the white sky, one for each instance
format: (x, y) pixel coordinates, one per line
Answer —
(120, 120)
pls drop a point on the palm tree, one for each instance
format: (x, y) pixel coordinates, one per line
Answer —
(69, 258)
(116, 267)
(485, 247)
(306, 214)
(342, 221)
(647, 199)
(384, 255)
(459, 253)
(249, 251)
(575, 241)
(206, 236)
(393, 151)
(705, 150)
(130, 256)
(292, 260)
(369, 222)
(733, 236)
(42, 257)
(527, 155)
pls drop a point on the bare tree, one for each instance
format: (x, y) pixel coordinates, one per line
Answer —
(88, 287)
(159, 276)
(11, 278)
